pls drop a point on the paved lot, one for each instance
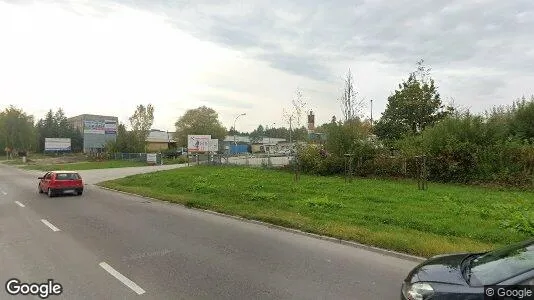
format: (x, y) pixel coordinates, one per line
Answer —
(106, 245)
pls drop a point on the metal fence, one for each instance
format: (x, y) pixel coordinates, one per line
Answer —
(141, 157)
(247, 159)
(259, 160)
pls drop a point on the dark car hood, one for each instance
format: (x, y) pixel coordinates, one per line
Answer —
(443, 268)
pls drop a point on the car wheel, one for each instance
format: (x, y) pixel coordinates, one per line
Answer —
(79, 193)
(50, 193)
(39, 189)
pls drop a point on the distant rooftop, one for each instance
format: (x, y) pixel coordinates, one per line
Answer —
(92, 116)
(160, 136)
(246, 139)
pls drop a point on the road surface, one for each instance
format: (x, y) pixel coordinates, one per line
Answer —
(106, 245)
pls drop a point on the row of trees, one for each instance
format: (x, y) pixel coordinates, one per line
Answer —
(19, 132)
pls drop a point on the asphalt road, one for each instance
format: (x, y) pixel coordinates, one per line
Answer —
(106, 245)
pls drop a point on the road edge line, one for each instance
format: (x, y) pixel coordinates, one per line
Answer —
(287, 229)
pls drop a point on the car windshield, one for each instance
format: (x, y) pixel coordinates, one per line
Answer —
(67, 176)
(499, 265)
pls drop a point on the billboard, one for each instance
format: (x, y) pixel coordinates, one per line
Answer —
(94, 126)
(214, 145)
(198, 143)
(57, 144)
(110, 127)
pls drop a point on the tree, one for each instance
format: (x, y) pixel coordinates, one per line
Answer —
(56, 125)
(414, 106)
(257, 134)
(293, 116)
(16, 129)
(141, 122)
(201, 120)
(522, 124)
(351, 107)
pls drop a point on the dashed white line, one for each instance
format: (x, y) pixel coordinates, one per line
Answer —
(54, 228)
(132, 285)
(20, 204)
(4, 193)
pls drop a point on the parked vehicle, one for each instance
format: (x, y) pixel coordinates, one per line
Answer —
(60, 182)
(464, 275)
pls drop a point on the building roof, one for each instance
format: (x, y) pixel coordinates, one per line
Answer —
(238, 138)
(160, 136)
(246, 139)
(93, 116)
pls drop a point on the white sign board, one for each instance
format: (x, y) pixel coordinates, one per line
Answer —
(198, 143)
(57, 144)
(151, 158)
(214, 145)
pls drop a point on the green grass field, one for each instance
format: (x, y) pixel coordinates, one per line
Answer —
(385, 213)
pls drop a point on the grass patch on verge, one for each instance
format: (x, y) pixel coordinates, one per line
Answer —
(391, 214)
(107, 164)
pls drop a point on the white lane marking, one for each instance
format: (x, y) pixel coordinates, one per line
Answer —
(54, 228)
(4, 193)
(20, 204)
(132, 285)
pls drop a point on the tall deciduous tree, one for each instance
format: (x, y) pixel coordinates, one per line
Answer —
(351, 107)
(293, 116)
(16, 129)
(415, 105)
(141, 122)
(201, 120)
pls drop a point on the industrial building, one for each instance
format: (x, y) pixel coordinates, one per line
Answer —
(96, 131)
(159, 140)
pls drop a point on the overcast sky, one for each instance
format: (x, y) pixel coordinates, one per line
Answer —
(107, 56)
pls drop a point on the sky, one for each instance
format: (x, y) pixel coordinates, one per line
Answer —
(107, 56)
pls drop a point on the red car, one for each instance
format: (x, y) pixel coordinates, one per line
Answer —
(61, 182)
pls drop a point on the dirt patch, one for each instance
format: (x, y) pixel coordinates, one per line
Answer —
(58, 160)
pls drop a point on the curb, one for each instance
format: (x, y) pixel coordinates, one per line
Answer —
(292, 230)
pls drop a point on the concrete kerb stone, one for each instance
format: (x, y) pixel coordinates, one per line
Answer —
(292, 230)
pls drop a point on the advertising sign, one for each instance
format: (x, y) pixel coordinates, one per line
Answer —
(110, 127)
(151, 158)
(214, 145)
(198, 143)
(94, 126)
(57, 144)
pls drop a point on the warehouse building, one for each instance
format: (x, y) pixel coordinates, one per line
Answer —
(96, 131)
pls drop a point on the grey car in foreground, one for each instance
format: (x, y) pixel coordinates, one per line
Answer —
(472, 275)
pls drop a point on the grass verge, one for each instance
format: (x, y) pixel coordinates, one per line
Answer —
(391, 214)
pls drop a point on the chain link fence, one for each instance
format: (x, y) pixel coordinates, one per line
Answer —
(140, 157)
(274, 161)
(261, 160)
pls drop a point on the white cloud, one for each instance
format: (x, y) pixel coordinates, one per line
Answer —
(109, 64)
(104, 57)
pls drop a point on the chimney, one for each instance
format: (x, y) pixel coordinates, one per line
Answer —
(311, 122)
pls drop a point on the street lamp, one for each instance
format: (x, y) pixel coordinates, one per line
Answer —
(235, 131)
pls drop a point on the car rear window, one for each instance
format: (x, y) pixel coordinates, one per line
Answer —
(67, 176)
